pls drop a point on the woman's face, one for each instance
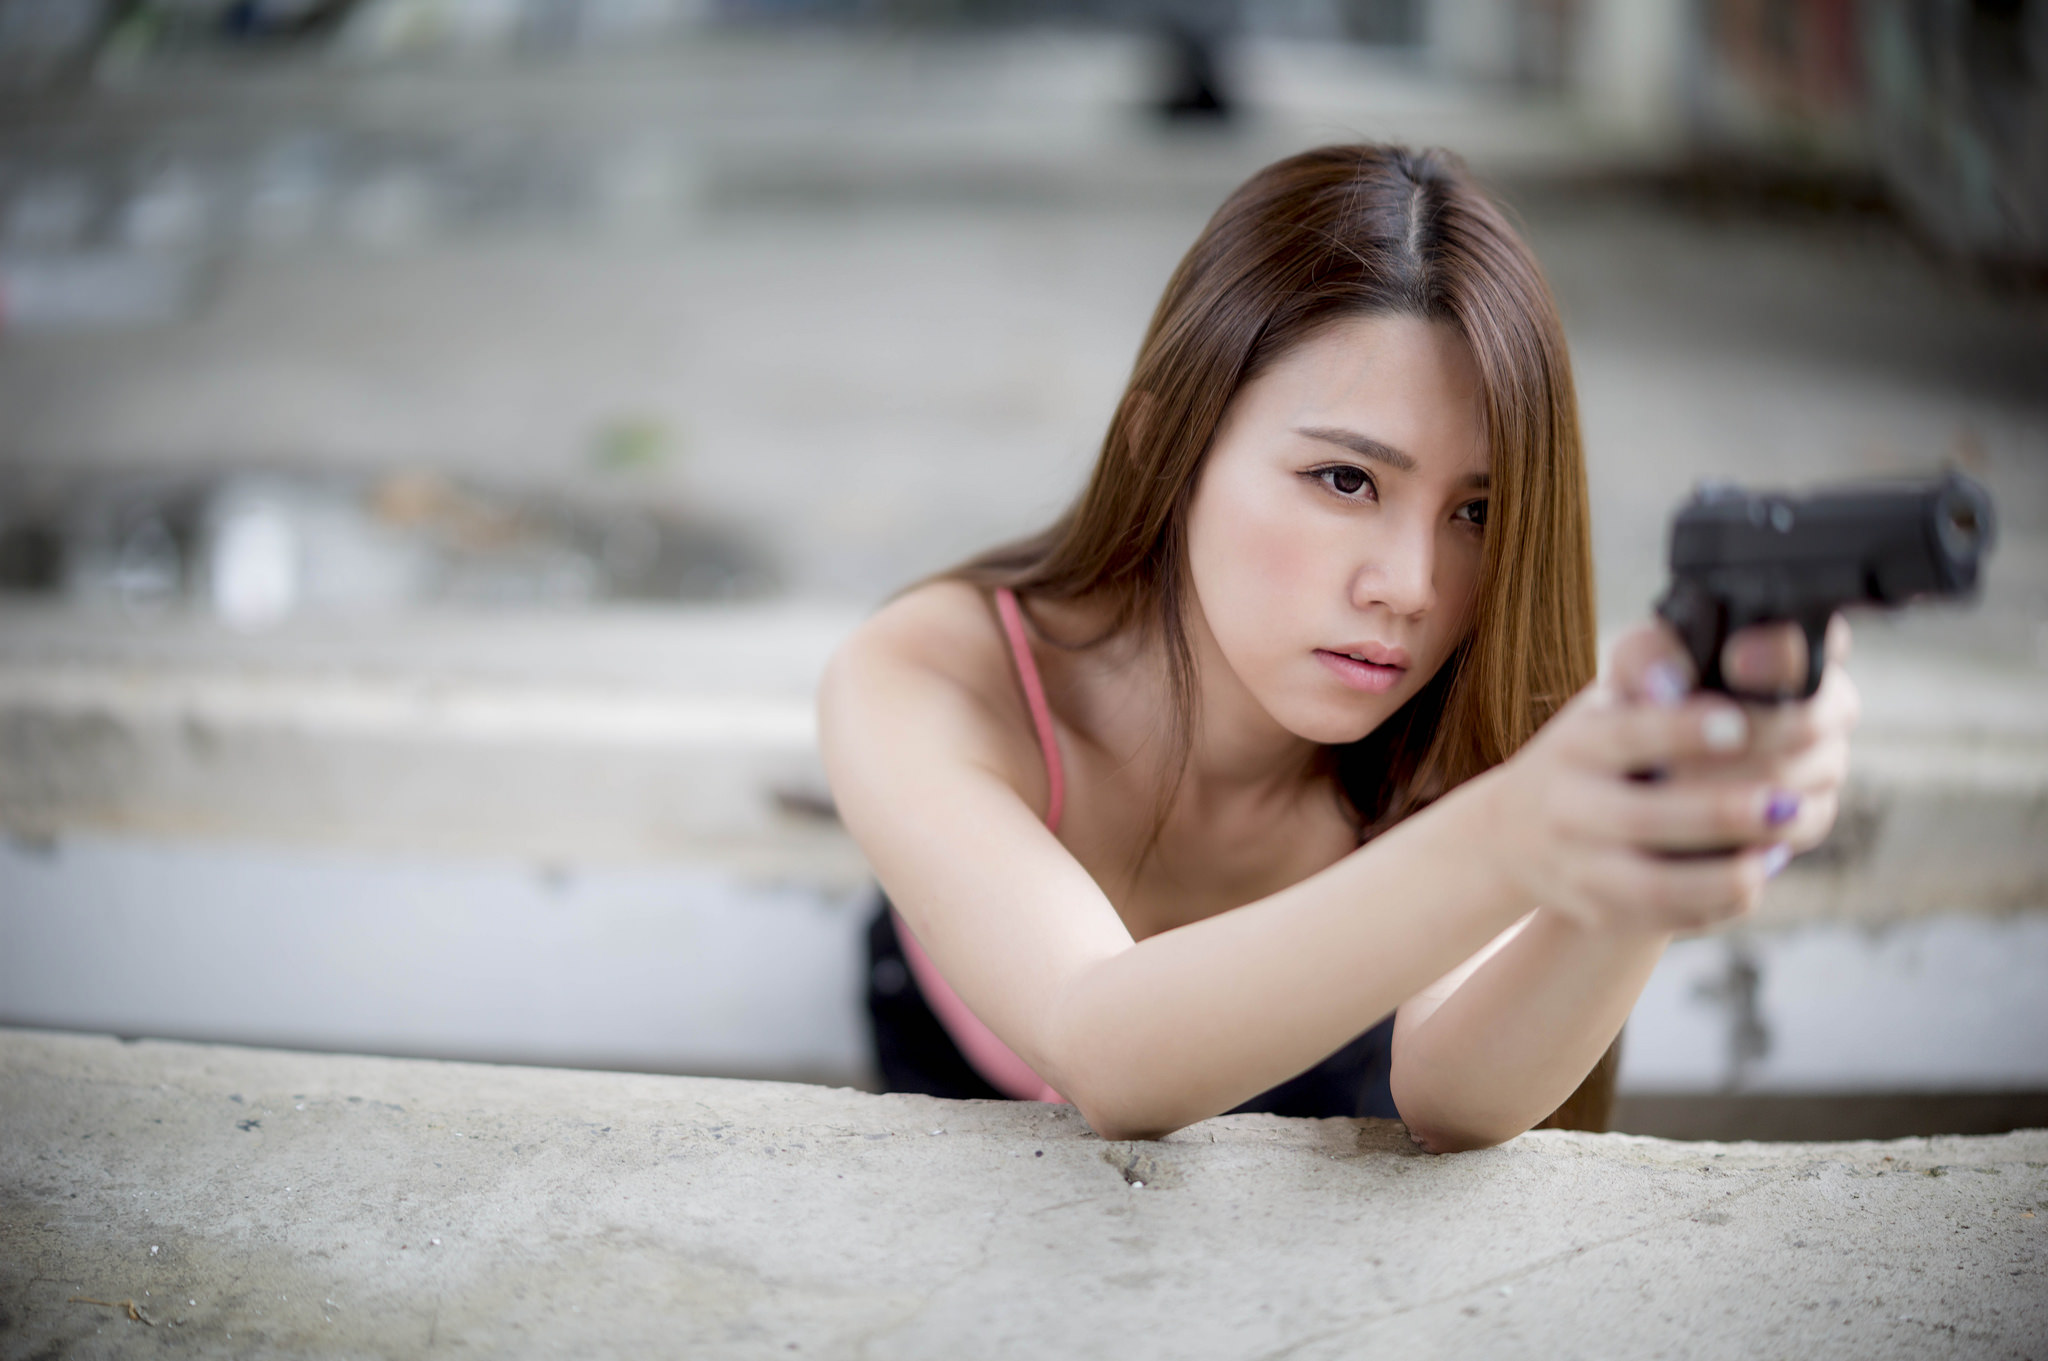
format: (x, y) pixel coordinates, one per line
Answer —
(1335, 535)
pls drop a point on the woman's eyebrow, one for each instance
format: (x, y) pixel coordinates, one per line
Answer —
(1365, 446)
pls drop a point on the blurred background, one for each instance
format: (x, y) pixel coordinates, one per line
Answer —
(440, 441)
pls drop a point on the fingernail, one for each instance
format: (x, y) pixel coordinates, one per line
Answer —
(1775, 859)
(1664, 684)
(1782, 808)
(1725, 730)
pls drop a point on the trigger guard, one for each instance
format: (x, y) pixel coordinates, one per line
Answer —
(1816, 631)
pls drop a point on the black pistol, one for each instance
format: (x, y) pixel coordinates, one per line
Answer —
(1740, 558)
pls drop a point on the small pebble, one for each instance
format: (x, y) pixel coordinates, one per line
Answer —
(433, 1242)
(1137, 1186)
(153, 1250)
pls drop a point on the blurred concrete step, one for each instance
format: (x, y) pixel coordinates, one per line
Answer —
(688, 736)
(656, 968)
(1947, 805)
(679, 736)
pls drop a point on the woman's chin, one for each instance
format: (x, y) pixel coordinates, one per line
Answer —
(1336, 725)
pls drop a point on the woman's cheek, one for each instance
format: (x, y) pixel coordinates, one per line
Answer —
(1284, 554)
(1458, 587)
(1263, 578)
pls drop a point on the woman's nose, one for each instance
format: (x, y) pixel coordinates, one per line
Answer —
(1400, 574)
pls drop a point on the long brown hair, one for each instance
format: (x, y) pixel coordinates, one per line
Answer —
(1334, 233)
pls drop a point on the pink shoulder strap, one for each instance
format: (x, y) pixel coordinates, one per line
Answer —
(1034, 698)
(989, 1056)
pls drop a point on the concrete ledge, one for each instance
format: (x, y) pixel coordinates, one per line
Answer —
(617, 736)
(275, 1203)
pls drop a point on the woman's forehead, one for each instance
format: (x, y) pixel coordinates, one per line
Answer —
(1403, 381)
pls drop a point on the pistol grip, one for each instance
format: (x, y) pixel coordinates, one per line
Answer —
(1703, 623)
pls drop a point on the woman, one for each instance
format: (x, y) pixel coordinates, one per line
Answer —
(1227, 791)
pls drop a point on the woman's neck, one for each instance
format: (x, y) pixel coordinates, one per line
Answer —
(1119, 696)
(1251, 810)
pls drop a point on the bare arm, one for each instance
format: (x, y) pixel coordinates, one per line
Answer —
(1482, 1060)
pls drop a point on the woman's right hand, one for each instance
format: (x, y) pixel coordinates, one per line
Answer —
(1586, 828)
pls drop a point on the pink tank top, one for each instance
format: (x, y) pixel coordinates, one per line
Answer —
(989, 1056)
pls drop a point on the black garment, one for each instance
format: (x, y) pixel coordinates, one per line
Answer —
(916, 1054)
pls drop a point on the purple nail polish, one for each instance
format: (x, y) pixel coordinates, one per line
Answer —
(1775, 859)
(1664, 684)
(1782, 808)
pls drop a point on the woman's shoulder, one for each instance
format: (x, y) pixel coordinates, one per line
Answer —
(936, 650)
(944, 630)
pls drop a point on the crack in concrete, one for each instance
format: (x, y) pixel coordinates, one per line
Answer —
(1065, 1205)
(996, 1219)
(1955, 1330)
(1521, 1273)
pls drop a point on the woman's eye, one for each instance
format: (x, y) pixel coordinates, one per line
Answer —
(1473, 512)
(1344, 480)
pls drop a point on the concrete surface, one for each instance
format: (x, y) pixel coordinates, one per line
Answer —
(264, 1203)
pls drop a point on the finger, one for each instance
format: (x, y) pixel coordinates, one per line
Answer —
(1789, 727)
(1649, 664)
(1838, 644)
(1816, 769)
(1692, 815)
(1816, 819)
(1692, 894)
(1766, 659)
(1626, 738)
(1795, 725)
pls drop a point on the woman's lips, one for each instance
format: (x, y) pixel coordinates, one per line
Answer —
(1359, 675)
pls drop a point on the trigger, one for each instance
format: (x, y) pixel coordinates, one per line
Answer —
(1816, 653)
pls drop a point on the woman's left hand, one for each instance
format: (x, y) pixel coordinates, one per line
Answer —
(1798, 745)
